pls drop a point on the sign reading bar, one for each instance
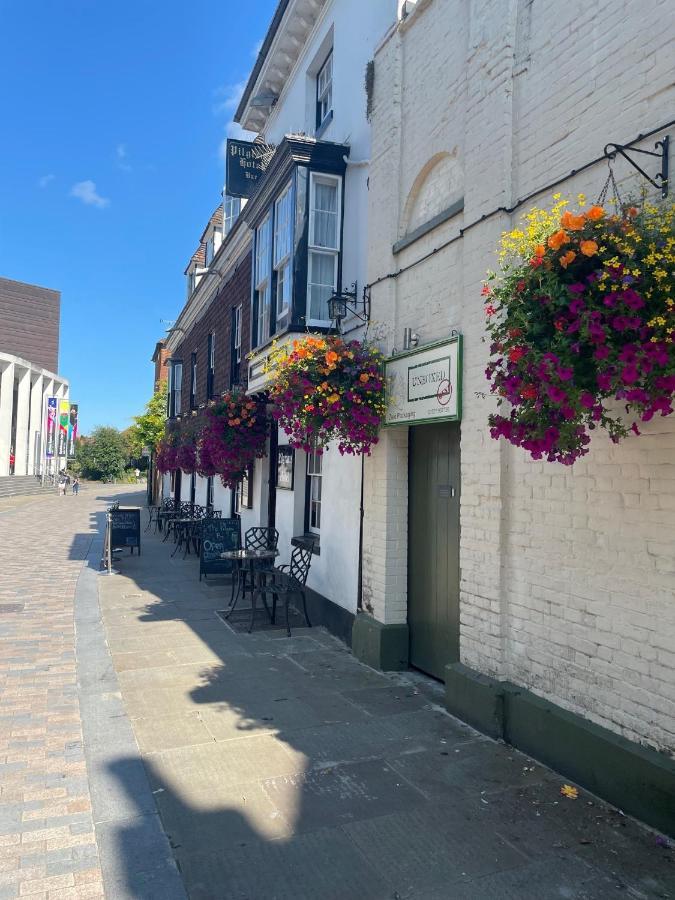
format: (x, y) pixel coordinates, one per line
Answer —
(425, 385)
(245, 164)
(218, 535)
(125, 529)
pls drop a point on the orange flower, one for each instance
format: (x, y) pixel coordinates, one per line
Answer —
(632, 212)
(556, 240)
(571, 222)
(331, 357)
(364, 378)
(588, 248)
(595, 213)
(539, 250)
(567, 258)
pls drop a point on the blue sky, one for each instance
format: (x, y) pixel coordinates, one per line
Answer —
(113, 116)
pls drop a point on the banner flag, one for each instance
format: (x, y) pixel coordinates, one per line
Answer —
(51, 428)
(64, 413)
(72, 429)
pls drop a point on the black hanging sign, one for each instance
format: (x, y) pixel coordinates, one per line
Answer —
(125, 529)
(218, 535)
(246, 162)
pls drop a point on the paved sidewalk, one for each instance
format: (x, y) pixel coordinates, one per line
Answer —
(47, 839)
(282, 768)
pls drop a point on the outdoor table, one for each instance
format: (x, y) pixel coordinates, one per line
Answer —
(249, 558)
(167, 519)
(181, 529)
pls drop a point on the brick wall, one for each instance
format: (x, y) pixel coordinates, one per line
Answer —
(567, 575)
(217, 318)
(29, 323)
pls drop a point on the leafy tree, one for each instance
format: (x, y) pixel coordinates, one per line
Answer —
(103, 454)
(148, 428)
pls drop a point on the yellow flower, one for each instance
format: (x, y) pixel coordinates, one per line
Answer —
(570, 792)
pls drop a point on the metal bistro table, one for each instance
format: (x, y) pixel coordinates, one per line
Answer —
(182, 526)
(249, 558)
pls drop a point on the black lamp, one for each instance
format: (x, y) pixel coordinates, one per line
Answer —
(339, 305)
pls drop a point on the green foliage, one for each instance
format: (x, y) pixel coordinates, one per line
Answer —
(103, 455)
(148, 428)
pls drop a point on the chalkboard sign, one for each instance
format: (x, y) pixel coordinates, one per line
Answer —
(125, 528)
(218, 536)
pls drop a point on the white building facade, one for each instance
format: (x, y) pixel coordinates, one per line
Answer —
(552, 616)
(24, 390)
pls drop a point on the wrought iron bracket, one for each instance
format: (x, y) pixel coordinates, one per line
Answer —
(660, 180)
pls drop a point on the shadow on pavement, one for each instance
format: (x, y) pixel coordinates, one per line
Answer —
(283, 768)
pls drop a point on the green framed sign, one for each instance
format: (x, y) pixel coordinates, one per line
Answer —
(425, 385)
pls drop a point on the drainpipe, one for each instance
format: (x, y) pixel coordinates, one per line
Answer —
(359, 595)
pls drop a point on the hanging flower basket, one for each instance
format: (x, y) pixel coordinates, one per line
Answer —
(580, 316)
(234, 433)
(326, 389)
(167, 449)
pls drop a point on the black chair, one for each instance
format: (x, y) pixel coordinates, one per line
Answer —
(287, 580)
(256, 538)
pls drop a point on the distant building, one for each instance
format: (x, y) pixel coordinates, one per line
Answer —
(29, 350)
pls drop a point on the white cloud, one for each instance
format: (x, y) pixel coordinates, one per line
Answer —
(122, 157)
(228, 97)
(44, 181)
(87, 193)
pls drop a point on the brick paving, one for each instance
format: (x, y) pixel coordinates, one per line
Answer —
(47, 838)
(277, 768)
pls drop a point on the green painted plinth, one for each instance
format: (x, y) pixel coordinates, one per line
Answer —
(378, 645)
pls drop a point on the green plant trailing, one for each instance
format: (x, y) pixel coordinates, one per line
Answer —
(581, 320)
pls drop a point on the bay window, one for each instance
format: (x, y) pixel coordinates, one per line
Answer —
(263, 278)
(283, 244)
(324, 245)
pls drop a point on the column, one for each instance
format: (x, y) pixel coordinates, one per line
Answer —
(6, 405)
(36, 425)
(22, 417)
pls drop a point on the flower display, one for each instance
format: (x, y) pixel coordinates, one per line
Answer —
(580, 316)
(167, 452)
(326, 389)
(233, 434)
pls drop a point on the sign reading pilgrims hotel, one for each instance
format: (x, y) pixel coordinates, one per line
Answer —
(425, 385)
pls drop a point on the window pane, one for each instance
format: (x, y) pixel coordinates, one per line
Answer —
(321, 284)
(325, 215)
(282, 226)
(262, 254)
(283, 289)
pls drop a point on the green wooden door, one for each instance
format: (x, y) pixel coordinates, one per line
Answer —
(433, 547)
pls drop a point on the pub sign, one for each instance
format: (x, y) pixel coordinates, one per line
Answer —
(425, 385)
(246, 162)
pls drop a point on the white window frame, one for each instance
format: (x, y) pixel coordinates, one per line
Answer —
(238, 312)
(231, 210)
(282, 257)
(263, 280)
(313, 247)
(209, 492)
(212, 356)
(177, 386)
(209, 250)
(193, 378)
(324, 91)
(314, 487)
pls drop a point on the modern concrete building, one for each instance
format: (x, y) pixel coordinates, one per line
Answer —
(29, 346)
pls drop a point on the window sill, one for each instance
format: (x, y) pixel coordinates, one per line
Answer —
(304, 540)
(323, 126)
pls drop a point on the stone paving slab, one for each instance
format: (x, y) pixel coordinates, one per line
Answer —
(283, 768)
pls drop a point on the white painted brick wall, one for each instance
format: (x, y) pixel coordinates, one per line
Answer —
(568, 575)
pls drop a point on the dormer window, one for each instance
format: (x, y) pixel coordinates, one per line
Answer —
(324, 91)
(209, 250)
(231, 210)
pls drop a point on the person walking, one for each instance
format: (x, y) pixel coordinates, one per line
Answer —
(76, 485)
(137, 473)
(62, 485)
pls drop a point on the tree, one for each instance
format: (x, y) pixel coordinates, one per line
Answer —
(148, 428)
(103, 454)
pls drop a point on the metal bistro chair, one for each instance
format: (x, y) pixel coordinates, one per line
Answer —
(287, 580)
(256, 538)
